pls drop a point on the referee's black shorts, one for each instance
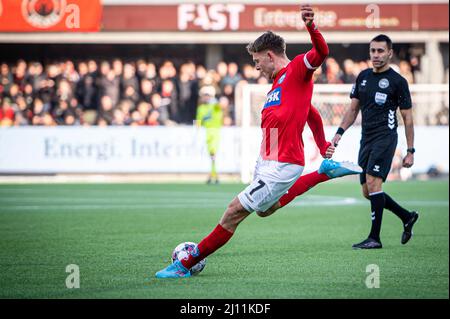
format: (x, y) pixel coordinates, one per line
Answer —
(375, 156)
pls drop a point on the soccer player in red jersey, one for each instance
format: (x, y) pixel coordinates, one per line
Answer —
(286, 110)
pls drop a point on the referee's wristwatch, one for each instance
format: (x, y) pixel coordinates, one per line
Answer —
(411, 150)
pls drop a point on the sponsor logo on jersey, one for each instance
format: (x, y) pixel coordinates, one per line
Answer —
(383, 83)
(281, 79)
(43, 13)
(207, 116)
(363, 83)
(380, 98)
(273, 98)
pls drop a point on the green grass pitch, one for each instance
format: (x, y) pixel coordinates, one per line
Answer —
(119, 235)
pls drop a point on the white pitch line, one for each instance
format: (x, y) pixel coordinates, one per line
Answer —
(205, 204)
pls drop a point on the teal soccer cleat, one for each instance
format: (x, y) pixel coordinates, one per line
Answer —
(335, 169)
(175, 270)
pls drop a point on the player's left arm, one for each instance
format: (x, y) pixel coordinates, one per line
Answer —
(407, 116)
(314, 57)
(405, 104)
(315, 123)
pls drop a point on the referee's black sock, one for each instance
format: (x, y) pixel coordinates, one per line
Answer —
(377, 204)
(398, 210)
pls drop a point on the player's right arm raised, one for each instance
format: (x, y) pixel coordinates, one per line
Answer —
(314, 57)
(347, 121)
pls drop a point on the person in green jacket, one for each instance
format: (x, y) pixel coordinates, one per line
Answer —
(210, 116)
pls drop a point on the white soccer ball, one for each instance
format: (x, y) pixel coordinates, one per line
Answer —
(183, 250)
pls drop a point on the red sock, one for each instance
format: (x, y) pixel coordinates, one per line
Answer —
(216, 239)
(302, 185)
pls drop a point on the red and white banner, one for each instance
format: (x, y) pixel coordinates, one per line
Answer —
(50, 15)
(261, 17)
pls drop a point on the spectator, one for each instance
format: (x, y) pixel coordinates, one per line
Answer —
(210, 79)
(41, 115)
(126, 107)
(36, 92)
(76, 110)
(46, 86)
(200, 72)
(319, 77)
(188, 95)
(131, 95)
(23, 113)
(161, 113)
(117, 67)
(151, 73)
(222, 70)
(118, 117)
(405, 71)
(224, 103)
(350, 72)
(139, 116)
(249, 74)
(69, 72)
(229, 111)
(35, 74)
(6, 113)
(105, 114)
(60, 111)
(28, 94)
(70, 118)
(169, 100)
(333, 73)
(147, 90)
(129, 79)
(19, 76)
(232, 77)
(6, 78)
(64, 91)
(13, 93)
(141, 69)
(86, 89)
(109, 85)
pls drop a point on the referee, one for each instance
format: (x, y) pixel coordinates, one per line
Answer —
(378, 92)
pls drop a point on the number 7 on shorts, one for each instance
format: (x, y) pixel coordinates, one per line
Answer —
(261, 185)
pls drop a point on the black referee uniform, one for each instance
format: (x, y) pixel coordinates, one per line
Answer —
(379, 95)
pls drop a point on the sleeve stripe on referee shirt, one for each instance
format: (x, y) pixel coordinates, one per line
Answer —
(308, 65)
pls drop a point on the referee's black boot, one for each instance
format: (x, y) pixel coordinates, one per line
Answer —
(368, 243)
(407, 228)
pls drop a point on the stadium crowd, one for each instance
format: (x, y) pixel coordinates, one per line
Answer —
(137, 92)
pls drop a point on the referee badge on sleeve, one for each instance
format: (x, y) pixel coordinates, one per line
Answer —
(380, 98)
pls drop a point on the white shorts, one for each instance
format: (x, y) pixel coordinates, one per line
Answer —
(271, 181)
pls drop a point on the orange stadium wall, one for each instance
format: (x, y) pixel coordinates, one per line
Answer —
(50, 16)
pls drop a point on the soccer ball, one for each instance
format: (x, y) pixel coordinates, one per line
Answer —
(183, 250)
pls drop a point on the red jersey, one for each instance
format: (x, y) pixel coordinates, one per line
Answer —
(288, 103)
